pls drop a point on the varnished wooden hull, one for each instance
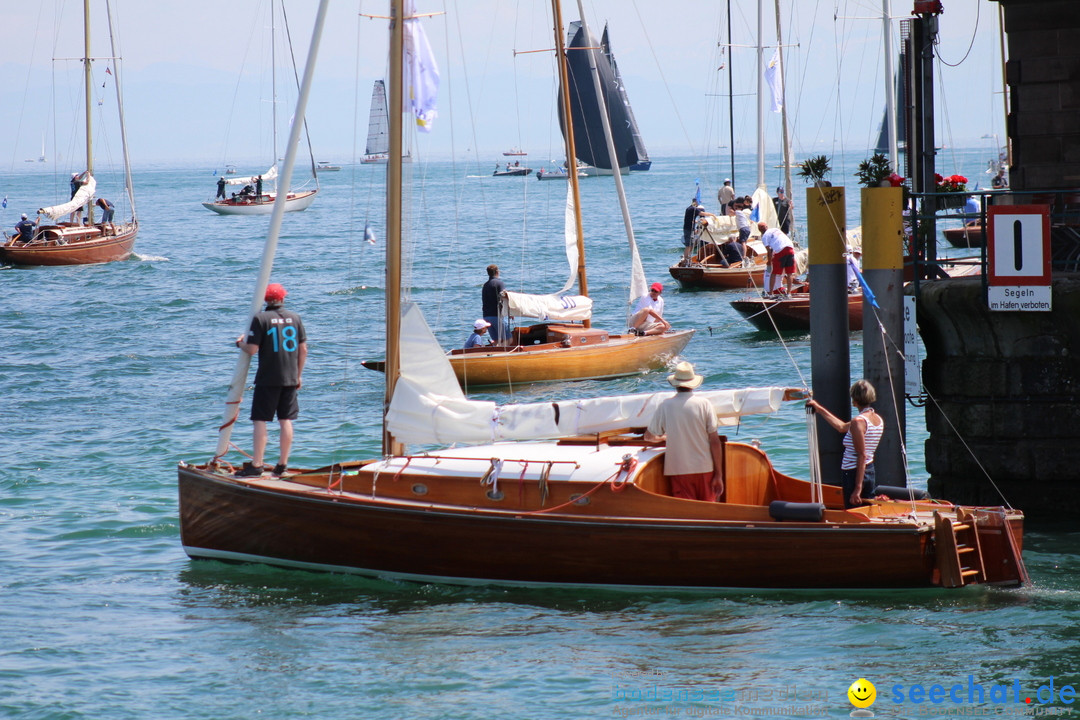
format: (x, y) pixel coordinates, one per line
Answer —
(968, 236)
(791, 314)
(621, 355)
(309, 528)
(99, 246)
(705, 272)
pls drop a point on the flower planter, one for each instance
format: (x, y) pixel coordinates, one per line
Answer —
(948, 201)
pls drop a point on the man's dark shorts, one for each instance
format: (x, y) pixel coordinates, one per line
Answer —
(270, 399)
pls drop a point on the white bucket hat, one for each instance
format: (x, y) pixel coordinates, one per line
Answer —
(481, 324)
(684, 376)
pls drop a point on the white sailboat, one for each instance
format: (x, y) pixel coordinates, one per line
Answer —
(378, 139)
(258, 192)
(71, 232)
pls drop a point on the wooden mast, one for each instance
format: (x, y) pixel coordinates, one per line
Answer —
(87, 80)
(393, 220)
(571, 150)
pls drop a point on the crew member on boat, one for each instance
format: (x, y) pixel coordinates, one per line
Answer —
(689, 218)
(220, 188)
(783, 210)
(854, 267)
(479, 337)
(648, 317)
(725, 195)
(107, 210)
(491, 295)
(779, 255)
(258, 187)
(693, 462)
(278, 336)
(861, 437)
(25, 228)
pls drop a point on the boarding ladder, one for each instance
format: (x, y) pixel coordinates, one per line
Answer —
(959, 556)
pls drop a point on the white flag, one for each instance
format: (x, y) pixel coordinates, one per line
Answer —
(776, 82)
(421, 71)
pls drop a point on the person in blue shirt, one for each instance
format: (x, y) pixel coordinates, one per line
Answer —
(107, 210)
(26, 229)
(479, 337)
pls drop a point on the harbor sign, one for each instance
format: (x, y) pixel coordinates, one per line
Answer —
(1018, 255)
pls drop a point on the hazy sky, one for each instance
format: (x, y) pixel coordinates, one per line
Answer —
(196, 76)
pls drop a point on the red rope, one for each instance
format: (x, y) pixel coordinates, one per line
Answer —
(628, 463)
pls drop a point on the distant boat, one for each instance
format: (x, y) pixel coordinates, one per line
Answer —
(327, 167)
(511, 171)
(252, 200)
(882, 145)
(591, 148)
(515, 151)
(378, 139)
(643, 163)
(76, 241)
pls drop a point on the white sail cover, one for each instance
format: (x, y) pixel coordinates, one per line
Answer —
(267, 176)
(82, 197)
(557, 308)
(428, 406)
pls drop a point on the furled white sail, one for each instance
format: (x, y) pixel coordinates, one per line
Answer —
(429, 407)
(766, 210)
(82, 197)
(267, 176)
(558, 308)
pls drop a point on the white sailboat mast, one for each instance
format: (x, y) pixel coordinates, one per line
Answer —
(120, 106)
(890, 86)
(637, 274)
(760, 96)
(243, 362)
(273, 86)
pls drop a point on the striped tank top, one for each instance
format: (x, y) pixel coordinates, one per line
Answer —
(871, 438)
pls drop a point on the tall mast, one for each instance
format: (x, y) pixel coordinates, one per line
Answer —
(783, 104)
(87, 80)
(273, 83)
(890, 86)
(731, 97)
(637, 274)
(760, 96)
(395, 105)
(571, 150)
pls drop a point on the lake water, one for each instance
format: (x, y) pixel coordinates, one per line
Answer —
(112, 374)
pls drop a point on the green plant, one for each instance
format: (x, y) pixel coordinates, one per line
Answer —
(876, 170)
(815, 169)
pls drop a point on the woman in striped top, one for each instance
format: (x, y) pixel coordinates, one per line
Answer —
(861, 437)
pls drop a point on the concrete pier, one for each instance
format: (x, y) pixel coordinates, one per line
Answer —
(1004, 398)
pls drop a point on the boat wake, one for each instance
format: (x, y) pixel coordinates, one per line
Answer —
(149, 258)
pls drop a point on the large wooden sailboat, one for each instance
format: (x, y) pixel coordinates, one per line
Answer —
(77, 242)
(563, 493)
(257, 193)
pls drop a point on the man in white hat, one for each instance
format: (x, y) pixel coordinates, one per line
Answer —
(693, 462)
(479, 337)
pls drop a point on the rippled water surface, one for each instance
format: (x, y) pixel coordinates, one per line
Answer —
(111, 374)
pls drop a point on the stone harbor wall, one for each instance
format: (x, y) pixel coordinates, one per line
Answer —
(1007, 392)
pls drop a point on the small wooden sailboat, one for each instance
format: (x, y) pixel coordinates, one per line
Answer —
(258, 193)
(968, 236)
(791, 313)
(710, 269)
(74, 242)
(590, 509)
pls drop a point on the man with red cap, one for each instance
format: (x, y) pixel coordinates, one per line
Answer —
(278, 336)
(648, 317)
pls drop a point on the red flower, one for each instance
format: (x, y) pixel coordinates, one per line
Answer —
(895, 180)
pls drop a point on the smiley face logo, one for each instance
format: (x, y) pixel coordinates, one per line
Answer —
(862, 693)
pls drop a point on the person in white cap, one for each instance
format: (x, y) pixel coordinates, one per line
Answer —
(693, 462)
(479, 337)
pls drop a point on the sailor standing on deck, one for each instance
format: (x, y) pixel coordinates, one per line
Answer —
(693, 463)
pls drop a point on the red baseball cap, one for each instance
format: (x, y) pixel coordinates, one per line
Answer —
(657, 287)
(275, 293)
